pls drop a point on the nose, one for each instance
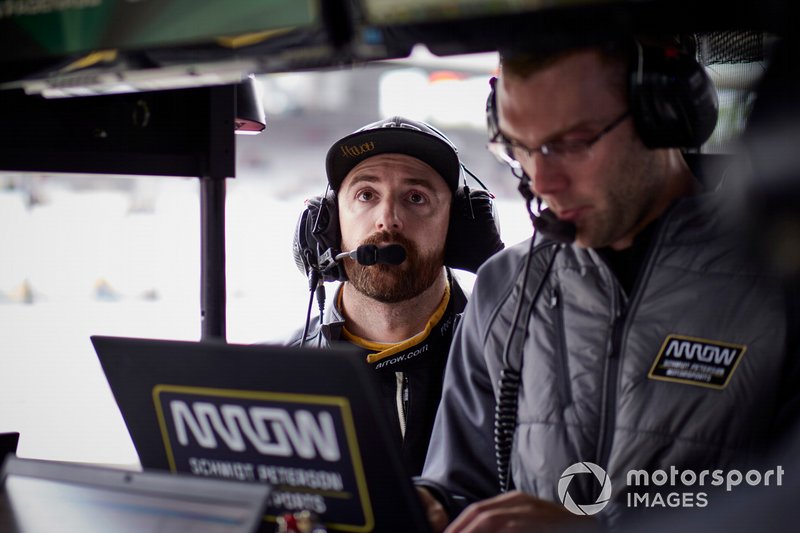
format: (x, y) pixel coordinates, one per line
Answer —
(547, 175)
(388, 218)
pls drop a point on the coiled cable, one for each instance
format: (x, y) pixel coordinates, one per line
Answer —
(505, 413)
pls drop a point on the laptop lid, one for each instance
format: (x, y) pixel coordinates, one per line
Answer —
(38, 495)
(306, 421)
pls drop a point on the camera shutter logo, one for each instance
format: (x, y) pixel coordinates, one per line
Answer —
(584, 468)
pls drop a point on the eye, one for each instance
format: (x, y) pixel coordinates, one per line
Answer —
(416, 198)
(365, 195)
(575, 140)
(569, 146)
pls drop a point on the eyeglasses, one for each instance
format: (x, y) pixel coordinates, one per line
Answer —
(512, 153)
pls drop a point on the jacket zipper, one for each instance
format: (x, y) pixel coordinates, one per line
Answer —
(561, 339)
(608, 413)
(619, 332)
(401, 399)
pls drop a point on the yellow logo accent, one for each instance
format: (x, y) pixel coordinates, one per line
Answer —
(100, 56)
(249, 39)
(357, 150)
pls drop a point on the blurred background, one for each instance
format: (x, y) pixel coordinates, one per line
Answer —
(120, 255)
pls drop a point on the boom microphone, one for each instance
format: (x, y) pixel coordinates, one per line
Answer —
(369, 254)
(546, 222)
(554, 228)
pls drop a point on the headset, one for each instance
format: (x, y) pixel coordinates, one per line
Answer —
(673, 103)
(473, 233)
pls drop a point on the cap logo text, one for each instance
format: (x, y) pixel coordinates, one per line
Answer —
(357, 149)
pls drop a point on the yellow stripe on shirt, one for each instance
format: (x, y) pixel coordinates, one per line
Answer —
(385, 350)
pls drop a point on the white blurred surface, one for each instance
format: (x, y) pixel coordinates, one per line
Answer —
(52, 389)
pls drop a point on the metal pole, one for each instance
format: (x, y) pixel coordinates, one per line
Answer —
(221, 165)
(212, 251)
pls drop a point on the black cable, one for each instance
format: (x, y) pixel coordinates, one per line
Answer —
(505, 419)
(505, 414)
(467, 195)
(313, 281)
(320, 292)
(505, 422)
(468, 171)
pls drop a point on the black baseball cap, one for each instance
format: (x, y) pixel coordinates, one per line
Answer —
(396, 135)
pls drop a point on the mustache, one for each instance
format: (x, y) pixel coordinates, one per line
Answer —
(395, 283)
(389, 237)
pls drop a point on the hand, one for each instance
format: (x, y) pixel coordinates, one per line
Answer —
(437, 516)
(516, 511)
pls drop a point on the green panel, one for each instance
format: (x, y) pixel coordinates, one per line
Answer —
(31, 28)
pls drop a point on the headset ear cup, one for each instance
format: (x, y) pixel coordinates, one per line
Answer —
(303, 246)
(672, 98)
(474, 231)
(492, 122)
(329, 237)
(317, 238)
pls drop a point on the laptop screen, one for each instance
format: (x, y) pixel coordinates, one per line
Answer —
(52, 496)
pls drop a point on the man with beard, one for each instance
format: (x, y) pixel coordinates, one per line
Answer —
(396, 182)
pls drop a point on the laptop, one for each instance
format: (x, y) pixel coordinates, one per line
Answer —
(38, 495)
(305, 421)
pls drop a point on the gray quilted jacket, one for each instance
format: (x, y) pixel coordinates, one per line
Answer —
(695, 368)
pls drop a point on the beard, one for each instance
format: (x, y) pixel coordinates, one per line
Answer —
(395, 283)
(629, 199)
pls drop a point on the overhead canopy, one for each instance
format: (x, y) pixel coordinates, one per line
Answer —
(84, 47)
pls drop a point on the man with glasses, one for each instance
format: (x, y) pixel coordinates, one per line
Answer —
(631, 334)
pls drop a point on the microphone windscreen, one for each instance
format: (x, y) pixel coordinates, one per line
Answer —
(552, 227)
(367, 254)
(394, 254)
